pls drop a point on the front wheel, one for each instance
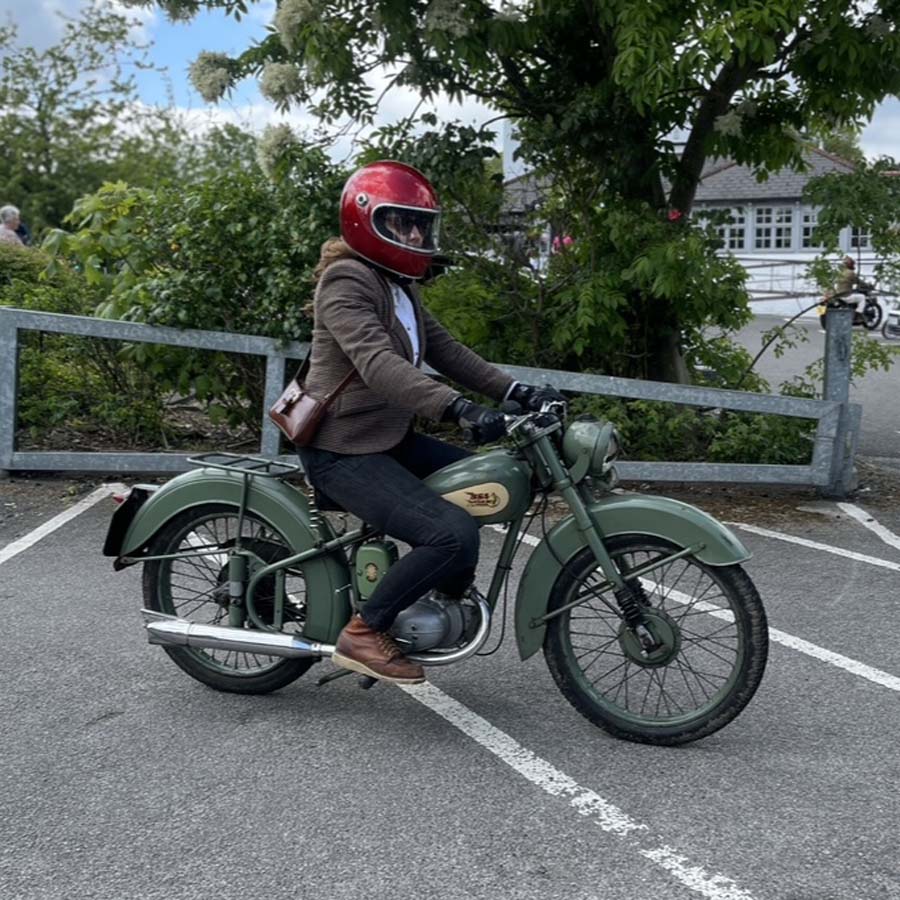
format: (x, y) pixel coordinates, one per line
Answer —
(891, 329)
(195, 587)
(708, 620)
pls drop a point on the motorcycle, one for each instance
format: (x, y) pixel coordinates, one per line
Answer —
(648, 623)
(891, 328)
(869, 318)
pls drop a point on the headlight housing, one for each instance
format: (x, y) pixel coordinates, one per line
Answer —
(590, 447)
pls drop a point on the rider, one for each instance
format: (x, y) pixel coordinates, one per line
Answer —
(366, 456)
(848, 282)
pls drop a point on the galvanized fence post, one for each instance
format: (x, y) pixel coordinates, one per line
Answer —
(9, 366)
(838, 352)
(270, 444)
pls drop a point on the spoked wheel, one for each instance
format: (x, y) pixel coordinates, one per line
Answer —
(196, 589)
(872, 316)
(709, 623)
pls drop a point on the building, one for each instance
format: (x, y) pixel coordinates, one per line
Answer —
(772, 231)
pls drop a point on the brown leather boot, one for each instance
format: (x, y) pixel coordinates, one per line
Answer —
(374, 653)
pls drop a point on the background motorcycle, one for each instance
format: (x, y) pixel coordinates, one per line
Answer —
(891, 327)
(869, 317)
(649, 625)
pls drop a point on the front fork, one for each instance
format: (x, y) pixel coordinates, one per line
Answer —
(629, 594)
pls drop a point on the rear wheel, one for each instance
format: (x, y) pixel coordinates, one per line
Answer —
(196, 589)
(872, 316)
(711, 628)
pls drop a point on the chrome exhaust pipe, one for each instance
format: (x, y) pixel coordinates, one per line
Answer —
(170, 631)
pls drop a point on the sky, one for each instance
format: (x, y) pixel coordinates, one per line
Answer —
(176, 45)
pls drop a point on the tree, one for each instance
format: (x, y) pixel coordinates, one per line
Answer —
(595, 88)
(70, 118)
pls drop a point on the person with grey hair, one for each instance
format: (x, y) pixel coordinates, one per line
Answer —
(9, 222)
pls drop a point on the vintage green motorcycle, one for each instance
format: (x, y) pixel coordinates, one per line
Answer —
(650, 627)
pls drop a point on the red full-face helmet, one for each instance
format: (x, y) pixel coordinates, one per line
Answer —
(391, 217)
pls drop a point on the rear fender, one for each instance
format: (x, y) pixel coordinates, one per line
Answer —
(284, 507)
(679, 523)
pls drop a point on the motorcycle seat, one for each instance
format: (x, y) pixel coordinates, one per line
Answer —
(325, 503)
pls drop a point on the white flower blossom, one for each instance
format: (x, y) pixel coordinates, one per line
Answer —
(729, 124)
(280, 82)
(291, 16)
(210, 74)
(449, 16)
(877, 26)
(275, 144)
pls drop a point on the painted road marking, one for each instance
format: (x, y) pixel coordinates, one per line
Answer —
(877, 676)
(815, 545)
(588, 803)
(871, 523)
(855, 667)
(23, 543)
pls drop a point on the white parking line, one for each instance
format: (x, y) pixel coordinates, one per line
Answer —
(871, 523)
(815, 545)
(28, 540)
(587, 802)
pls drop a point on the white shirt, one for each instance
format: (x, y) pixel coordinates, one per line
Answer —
(406, 316)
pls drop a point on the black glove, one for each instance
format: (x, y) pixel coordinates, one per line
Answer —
(532, 397)
(480, 424)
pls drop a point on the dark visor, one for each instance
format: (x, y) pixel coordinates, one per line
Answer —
(401, 225)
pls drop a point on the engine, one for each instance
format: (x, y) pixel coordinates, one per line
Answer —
(436, 620)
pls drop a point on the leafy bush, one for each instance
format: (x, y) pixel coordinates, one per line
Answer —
(653, 430)
(68, 382)
(231, 251)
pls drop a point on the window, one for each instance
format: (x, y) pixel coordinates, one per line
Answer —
(810, 220)
(859, 239)
(733, 230)
(784, 228)
(763, 234)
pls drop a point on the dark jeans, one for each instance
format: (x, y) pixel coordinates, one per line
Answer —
(385, 490)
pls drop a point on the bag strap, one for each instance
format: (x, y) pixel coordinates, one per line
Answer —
(304, 368)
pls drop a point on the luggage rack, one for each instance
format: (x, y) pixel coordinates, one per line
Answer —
(246, 465)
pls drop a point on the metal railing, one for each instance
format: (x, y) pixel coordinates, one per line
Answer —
(830, 469)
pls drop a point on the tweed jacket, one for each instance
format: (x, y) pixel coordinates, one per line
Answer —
(355, 328)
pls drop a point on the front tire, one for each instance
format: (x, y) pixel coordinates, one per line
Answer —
(714, 642)
(872, 316)
(195, 588)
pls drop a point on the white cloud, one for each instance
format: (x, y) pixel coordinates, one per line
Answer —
(41, 22)
(881, 137)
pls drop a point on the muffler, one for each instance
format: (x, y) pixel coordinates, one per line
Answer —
(170, 631)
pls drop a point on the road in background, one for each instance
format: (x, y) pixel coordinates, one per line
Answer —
(878, 392)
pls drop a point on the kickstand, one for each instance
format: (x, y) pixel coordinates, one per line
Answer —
(337, 673)
(364, 681)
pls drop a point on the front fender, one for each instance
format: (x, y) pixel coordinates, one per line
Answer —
(276, 502)
(680, 523)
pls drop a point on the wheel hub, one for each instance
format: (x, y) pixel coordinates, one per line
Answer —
(666, 634)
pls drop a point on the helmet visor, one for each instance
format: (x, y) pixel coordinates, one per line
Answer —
(407, 226)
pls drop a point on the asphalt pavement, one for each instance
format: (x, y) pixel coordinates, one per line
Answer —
(123, 778)
(878, 391)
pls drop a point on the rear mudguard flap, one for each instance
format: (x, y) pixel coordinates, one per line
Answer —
(284, 507)
(680, 523)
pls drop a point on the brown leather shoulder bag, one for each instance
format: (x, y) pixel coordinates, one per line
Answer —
(299, 414)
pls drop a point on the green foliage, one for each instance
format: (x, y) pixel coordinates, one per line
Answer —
(654, 430)
(74, 383)
(70, 118)
(231, 251)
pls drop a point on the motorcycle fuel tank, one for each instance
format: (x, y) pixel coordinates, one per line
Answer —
(493, 486)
